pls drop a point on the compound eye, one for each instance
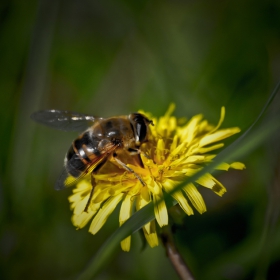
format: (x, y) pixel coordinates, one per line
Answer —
(141, 131)
(139, 125)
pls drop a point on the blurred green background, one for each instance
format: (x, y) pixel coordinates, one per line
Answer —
(114, 57)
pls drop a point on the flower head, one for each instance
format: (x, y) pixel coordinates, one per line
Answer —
(176, 150)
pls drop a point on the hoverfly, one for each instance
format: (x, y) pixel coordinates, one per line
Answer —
(101, 140)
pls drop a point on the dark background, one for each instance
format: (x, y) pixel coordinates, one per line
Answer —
(115, 57)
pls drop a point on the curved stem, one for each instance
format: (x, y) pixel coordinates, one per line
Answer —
(174, 256)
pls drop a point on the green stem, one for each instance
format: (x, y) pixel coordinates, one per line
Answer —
(174, 256)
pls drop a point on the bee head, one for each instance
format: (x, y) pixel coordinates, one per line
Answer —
(140, 125)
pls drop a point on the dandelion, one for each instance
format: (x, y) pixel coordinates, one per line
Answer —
(176, 150)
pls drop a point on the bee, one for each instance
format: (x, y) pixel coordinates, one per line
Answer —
(102, 139)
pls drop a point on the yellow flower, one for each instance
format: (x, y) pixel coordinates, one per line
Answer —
(176, 150)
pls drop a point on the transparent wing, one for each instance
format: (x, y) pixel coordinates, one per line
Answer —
(66, 180)
(64, 120)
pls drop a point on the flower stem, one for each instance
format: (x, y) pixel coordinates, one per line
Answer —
(174, 256)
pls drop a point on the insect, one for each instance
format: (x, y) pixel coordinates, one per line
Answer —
(102, 139)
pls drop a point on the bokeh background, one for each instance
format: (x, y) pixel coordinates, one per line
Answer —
(114, 57)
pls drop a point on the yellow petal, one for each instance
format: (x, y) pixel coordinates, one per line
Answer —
(104, 212)
(223, 112)
(223, 166)
(218, 188)
(178, 196)
(204, 127)
(125, 214)
(174, 143)
(81, 205)
(114, 177)
(154, 187)
(160, 209)
(125, 244)
(82, 219)
(126, 208)
(190, 129)
(238, 165)
(159, 157)
(198, 159)
(170, 110)
(234, 165)
(108, 191)
(143, 199)
(218, 136)
(151, 235)
(195, 198)
(74, 198)
(178, 150)
(204, 150)
(83, 186)
(208, 181)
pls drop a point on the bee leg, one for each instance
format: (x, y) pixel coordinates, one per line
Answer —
(123, 165)
(139, 160)
(145, 155)
(93, 184)
(91, 193)
(138, 152)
